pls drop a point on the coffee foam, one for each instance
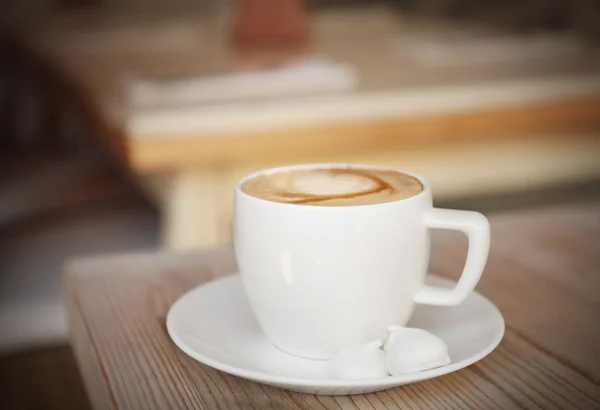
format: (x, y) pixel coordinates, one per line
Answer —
(333, 186)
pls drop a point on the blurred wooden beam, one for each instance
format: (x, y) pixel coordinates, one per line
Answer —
(166, 152)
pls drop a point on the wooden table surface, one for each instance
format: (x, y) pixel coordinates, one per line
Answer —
(543, 273)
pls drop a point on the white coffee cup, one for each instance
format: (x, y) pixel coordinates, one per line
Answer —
(323, 278)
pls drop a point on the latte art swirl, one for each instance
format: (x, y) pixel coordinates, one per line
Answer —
(333, 186)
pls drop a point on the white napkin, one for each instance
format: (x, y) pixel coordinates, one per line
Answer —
(301, 78)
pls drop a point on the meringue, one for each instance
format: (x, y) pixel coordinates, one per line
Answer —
(410, 350)
(361, 362)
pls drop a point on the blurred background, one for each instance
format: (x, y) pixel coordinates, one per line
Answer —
(125, 124)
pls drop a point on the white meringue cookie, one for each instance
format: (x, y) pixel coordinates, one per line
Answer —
(410, 350)
(399, 331)
(361, 362)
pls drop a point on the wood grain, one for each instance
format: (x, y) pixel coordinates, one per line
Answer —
(542, 274)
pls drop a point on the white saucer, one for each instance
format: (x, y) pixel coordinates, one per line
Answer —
(213, 324)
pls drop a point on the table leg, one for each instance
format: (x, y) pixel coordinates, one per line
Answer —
(191, 211)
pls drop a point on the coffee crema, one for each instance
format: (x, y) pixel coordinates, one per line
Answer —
(336, 186)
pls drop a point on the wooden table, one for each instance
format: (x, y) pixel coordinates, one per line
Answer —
(445, 111)
(543, 273)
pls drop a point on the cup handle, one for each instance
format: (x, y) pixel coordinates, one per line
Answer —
(477, 229)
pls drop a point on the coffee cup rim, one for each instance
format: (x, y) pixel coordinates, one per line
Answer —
(293, 167)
